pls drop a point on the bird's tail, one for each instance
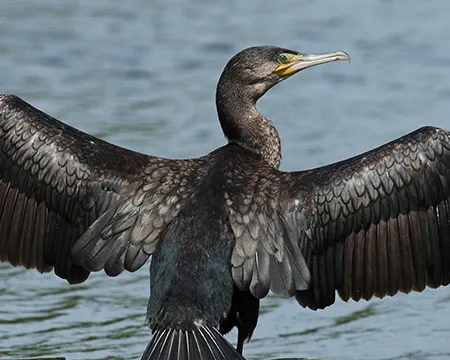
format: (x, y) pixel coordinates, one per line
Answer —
(203, 343)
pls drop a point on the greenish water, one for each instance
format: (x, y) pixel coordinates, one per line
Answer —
(142, 74)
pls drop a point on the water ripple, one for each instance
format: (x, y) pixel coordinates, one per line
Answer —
(143, 75)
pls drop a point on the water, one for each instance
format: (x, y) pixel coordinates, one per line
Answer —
(143, 74)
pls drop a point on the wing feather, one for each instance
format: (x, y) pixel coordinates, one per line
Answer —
(70, 201)
(389, 209)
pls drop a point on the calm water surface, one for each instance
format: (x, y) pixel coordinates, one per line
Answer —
(142, 74)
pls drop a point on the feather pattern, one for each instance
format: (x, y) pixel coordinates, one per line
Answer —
(372, 225)
(202, 343)
(389, 208)
(77, 204)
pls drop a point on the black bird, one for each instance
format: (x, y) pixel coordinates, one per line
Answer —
(225, 228)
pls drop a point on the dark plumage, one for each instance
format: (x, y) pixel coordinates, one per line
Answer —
(226, 228)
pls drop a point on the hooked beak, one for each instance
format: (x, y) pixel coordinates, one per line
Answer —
(303, 61)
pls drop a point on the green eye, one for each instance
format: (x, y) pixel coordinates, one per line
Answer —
(282, 59)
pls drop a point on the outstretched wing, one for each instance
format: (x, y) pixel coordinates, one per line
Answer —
(56, 182)
(375, 224)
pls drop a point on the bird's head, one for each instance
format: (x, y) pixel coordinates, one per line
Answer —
(257, 69)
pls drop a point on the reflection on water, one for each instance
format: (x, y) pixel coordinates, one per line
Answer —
(143, 75)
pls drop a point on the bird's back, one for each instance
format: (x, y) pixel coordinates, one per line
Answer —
(190, 274)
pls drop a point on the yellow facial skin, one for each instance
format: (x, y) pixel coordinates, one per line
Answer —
(293, 63)
(284, 69)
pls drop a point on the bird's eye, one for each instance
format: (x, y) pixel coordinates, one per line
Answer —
(282, 59)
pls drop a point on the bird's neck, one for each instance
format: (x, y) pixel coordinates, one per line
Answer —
(242, 124)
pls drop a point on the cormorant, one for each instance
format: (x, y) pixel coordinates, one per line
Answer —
(225, 228)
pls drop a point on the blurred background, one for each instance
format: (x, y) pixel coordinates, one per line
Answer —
(142, 74)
